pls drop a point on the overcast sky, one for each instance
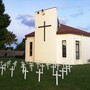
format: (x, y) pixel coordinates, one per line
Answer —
(75, 13)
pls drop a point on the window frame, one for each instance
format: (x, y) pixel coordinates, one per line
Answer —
(31, 48)
(77, 49)
(64, 48)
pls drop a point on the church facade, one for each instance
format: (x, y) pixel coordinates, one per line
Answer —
(52, 42)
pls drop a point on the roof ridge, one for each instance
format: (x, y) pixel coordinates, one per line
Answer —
(74, 28)
(64, 29)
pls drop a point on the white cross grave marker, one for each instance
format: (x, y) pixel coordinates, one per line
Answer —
(39, 74)
(53, 67)
(38, 64)
(4, 65)
(42, 66)
(47, 64)
(15, 64)
(62, 71)
(57, 75)
(8, 63)
(69, 67)
(31, 66)
(22, 62)
(25, 72)
(1, 62)
(2, 68)
(57, 66)
(12, 70)
(65, 68)
(23, 66)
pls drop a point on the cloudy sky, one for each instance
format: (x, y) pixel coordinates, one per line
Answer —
(75, 13)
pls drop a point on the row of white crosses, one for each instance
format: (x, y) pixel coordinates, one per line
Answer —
(64, 69)
(40, 67)
(3, 66)
(55, 66)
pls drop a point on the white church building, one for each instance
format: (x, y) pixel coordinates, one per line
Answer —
(56, 43)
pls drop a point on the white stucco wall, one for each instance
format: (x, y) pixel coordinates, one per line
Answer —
(69, 48)
(45, 51)
(71, 51)
(27, 49)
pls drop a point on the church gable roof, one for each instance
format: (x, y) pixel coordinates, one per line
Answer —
(32, 34)
(64, 29)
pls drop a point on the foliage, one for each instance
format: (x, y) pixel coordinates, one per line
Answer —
(9, 48)
(21, 46)
(6, 37)
(11, 38)
(78, 79)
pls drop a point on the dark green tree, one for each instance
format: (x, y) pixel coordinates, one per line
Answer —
(6, 37)
(21, 46)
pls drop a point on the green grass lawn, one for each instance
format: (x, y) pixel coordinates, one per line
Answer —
(78, 79)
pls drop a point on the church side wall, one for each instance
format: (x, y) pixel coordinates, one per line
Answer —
(71, 49)
(84, 49)
(27, 49)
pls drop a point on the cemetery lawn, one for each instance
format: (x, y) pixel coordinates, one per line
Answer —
(78, 79)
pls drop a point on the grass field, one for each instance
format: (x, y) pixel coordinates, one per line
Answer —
(78, 79)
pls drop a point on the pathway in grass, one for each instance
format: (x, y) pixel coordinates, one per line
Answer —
(78, 79)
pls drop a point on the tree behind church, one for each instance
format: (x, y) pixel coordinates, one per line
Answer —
(21, 46)
(6, 37)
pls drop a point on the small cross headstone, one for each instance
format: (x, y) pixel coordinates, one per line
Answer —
(31, 66)
(23, 67)
(8, 63)
(57, 75)
(25, 72)
(12, 70)
(42, 66)
(38, 64)
(15, 64)
(4, 65)
(22, 62)
(1, 62)
(53, 68)
(2, 69)
(47, 64)
(69, 67)
(65, 69)
(39, 74)
(57, 66)
(62, 71)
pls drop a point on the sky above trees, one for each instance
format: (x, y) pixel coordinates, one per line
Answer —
(75, 13)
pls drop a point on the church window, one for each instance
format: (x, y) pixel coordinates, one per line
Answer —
(63, 48)
(77, 49)
(30, 48)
